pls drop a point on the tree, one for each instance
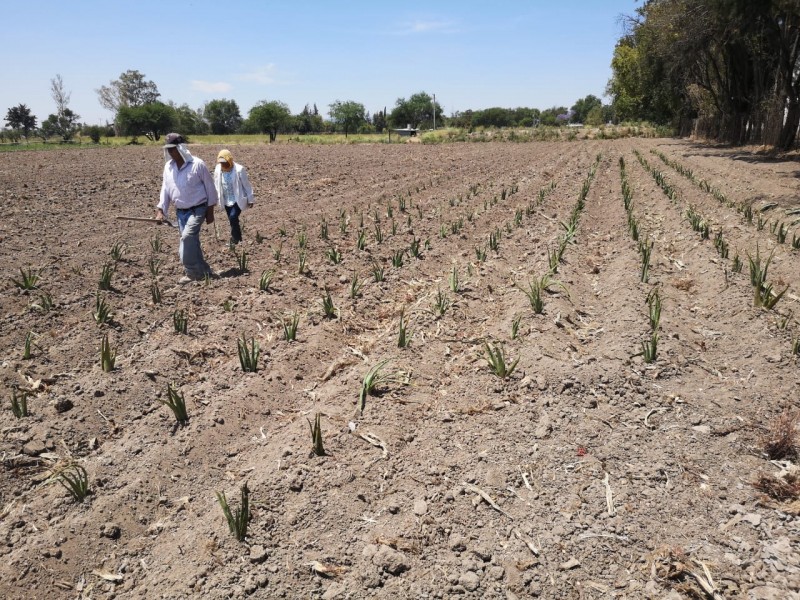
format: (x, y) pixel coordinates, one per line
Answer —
(379, 121)
(417, 111)
(20, 117)
(269, 117)
(64, 122)
(308, 121)
(582, 107)
(349, 115)
(131, 89)
(188, 120)
(222, 116)
(150, 120)
(94, 132)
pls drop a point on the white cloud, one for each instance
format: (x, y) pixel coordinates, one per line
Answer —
(263, 75)
(416, 27)
(210, 86)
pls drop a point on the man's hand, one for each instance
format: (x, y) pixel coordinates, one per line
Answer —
(210, 215)
(159, 214)
(249, 205)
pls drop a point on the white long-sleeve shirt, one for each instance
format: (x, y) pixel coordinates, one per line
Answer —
(188, 186)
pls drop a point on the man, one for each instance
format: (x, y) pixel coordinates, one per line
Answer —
(188, 185)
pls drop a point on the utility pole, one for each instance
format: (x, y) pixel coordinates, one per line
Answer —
(434, 112)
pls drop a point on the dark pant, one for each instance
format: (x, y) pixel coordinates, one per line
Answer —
(233, 216)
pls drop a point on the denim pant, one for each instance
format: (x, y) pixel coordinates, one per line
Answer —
(233, 216)
(190, 252)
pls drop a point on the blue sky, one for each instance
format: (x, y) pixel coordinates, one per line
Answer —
(470, 54)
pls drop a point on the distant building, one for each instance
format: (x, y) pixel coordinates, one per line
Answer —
(408, 131)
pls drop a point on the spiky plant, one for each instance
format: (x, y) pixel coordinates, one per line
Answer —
(645, 249)
(654, 308)
(397, 258)
(155, 266)
(403, 337)
(377, 272)
(242, 260)
(19, 404)
(177, 404)
(736, 264)
(536, 289)
(301, 262)
(440, 303)
(650, 348)
(323, 229)
(290, 327)
(259, 238)
(26, 350)
(515, 327)
(763, 295)
(480, 254)
(355, 286)
(334, 256)
(414, 249)
(316, 436)
(277, 252)
(328, 308)
(452, 280)
(237, 521)
(118, 250)
(248, 355)
(265, 280)
(28, 279)
(102, 311)
(156, 244)
(376, 378)
(105, 277)
(180, 321)
(75, 480)
(302, 239)
(155, 293)
(45, 302)
(361, 239)
(494, 241)
(378, 233)
(108, 356)
(496, 357)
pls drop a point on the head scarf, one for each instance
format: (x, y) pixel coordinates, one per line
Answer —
(181, 146)
(225, 156)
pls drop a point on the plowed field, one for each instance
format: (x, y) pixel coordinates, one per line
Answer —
(587, 472)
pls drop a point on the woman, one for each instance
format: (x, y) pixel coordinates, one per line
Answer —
(234, 191)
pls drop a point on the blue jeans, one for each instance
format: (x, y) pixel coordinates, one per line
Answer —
(190, 252)
(233, 216)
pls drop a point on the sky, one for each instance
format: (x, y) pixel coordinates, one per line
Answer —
(470, 54)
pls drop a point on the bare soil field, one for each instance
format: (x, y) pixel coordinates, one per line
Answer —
(623, 457)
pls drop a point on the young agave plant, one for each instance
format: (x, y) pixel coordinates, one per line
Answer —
(327, 306)
(237, 521)
(290, 327)
(316, 436)
(266, 280)
(108, 356)
(180, 321)
(248, 356)
(176, 403)
(496, 358)
(75, 480)
(375, 379)
(403, 337)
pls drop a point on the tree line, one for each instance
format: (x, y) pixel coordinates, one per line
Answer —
(726, 70)
(139, 111)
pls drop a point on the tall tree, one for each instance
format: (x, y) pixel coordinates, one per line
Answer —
(151, 120)
(583, 107)
(268, 117)
(417, 111)
(131, 89)
(222, 116)
(20, 117)
(64, 122)
(349, 115)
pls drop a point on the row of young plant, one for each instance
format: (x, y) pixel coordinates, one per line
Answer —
(778, 228)
(764, 294)
(649, 351)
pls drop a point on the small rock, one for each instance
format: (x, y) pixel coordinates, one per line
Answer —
(541, 383)
(702, 429)
(62, 405)
(258, 554)
(543, 427)
(752, 518)
(335, 590)
(496, 572)
(390, 560)
(420, 507)
(110, 531)
(469, 581)
(457, 542)
(570, 564)
(33, 448)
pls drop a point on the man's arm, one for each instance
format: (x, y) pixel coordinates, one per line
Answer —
(162, 208)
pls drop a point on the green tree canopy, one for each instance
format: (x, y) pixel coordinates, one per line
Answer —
(150, 120)
(348, 115)
(20, 117)
(269, 117)
(188, 121)
(131, 89)
(417, 111)
(582, 107)
(222, 116)
(64, 122)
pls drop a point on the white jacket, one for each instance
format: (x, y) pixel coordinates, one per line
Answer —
(243, 191)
